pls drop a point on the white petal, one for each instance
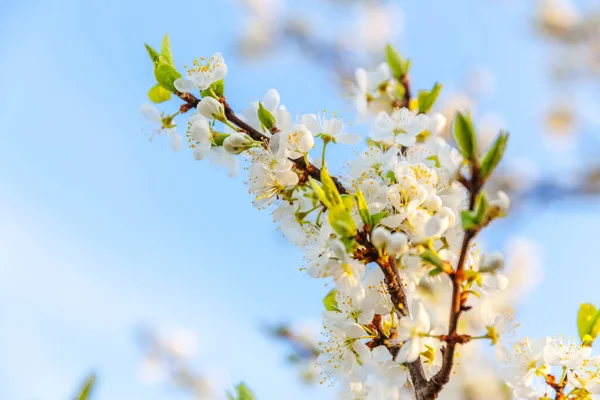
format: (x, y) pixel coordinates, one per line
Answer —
(361, 80)
(184, 85)
(348, 138)
(202, 150)
(175, 140)
(436, 226)
(354, 330)
(405, 139)
(287, 178)
(381, 354)
(409, 352)
(150, 112)
(271, 99)
(311, 122)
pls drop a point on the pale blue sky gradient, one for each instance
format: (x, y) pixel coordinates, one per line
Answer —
(102, 231)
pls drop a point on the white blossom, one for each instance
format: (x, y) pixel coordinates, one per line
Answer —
(202, 75)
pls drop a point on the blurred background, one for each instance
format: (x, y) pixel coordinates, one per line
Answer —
(123, 258)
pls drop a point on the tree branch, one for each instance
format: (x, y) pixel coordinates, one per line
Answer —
(308, 169)
(394, 286)
(453, 338)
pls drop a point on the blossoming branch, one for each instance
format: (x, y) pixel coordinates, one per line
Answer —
(395, 232)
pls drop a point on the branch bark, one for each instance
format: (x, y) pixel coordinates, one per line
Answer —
(437, 382)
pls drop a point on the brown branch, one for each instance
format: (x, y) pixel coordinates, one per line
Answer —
(309, 169)
(404, 81)
(459, 299)
(393, 285)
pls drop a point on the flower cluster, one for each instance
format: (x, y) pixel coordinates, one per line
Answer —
(395, 234)
(552, 367)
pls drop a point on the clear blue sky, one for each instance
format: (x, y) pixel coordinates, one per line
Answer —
(101, 231)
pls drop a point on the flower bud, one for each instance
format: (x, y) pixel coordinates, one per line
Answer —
(211, 108)
(380, 237)
(237, 142)
(501, 204)
(397, 244)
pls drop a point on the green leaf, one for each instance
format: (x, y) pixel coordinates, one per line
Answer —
(218, 87)
(363, 208)
(469, 220)
(329, 187)
(588, 323)
(341, 221)
(244, 393)
(265, 117)
(86, 390)
(165, 75)
(229, 396)
(376, 218)
(330, 302)
(152, 53)
(427, 98)
(165, 51)
(464, 135)
(494, 155)
(481, 208)
(319, 192)
(399, 91)
(435, 160)
(158, 94)
(391, 176)
(398, 64)
(433, 259)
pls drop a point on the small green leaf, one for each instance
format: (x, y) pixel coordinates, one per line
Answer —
(341, 221)
(158, 94)
(398, 64)
(469, 220)
(464, 135)
(427, 98)
(399, 91)
(330, 302)
(329, 187)
(86, 390)
(152, 53)
(481, 208)
(244, 393)
(165, 75)
(363, 208)
(391, 176)
(319, 192)
(435, 160)
(588, 323)
(218, 87)
(494, 155)
(229, 396)
(165, 51)
(433, 259)
(265, 117)
(376, 218)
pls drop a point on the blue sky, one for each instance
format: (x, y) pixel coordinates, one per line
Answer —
(102, 231)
